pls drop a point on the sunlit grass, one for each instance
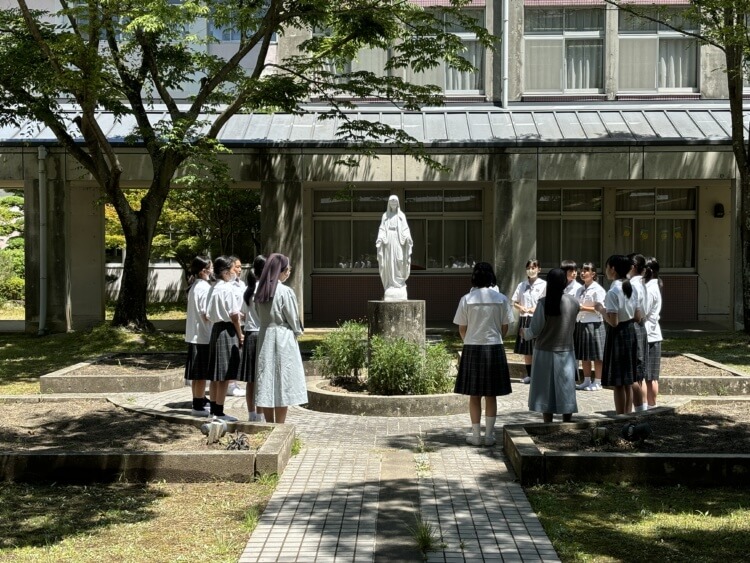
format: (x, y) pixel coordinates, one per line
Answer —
(138, 523)
(26, 357)
(602, 523)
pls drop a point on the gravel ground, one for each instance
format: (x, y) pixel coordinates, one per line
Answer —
(697, 428)
(96, 425)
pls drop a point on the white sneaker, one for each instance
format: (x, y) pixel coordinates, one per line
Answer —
(582, 386)
(489, 440)
(527, 380)
(201, 413)
(235, 391)
(474, 440)
(593, 387)
(226, 418)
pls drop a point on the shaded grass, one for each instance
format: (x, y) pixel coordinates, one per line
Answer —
(130, 522)
(25, 357)
(730, 348)
(603, 523)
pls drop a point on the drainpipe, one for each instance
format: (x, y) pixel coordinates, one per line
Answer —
(42, 164)
(504, 48)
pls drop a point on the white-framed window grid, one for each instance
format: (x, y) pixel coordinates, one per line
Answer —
(444, 240)
(569, 226)
(564, 50)
(655, 58)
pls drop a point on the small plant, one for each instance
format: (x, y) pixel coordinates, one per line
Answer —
(343, 353)
(424, 534)
(296, 446)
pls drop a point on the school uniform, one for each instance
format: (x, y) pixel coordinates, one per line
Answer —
(621, 346)
(652, 328)
(197, 331)
(640, 290)
(554, 367)
(527, 295)
(483, 370)
(572, 288)
(224, 347)
(590, 335)
(249, 347)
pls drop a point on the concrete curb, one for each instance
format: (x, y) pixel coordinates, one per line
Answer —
(532, 466)
(110, 466)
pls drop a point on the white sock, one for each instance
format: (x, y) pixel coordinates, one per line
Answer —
(489, 426)
(475, 430)
(586, 381)
(639, 408)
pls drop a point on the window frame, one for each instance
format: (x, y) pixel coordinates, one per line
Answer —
(564, 37)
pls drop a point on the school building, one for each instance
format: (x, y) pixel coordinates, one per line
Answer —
(586, 134)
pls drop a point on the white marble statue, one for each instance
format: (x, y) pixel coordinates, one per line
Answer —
(394, 244)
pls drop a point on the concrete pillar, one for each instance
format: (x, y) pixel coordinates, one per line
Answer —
(282, 216)
(58, 281)
(86, 252)
(397, 319)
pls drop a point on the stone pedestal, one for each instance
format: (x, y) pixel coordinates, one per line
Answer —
(397, 319)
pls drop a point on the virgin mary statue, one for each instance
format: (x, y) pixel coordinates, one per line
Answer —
(394, 244)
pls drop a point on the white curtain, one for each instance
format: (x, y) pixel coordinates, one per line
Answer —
(471, 81)
(583, 65)
(543, 65)
(637, 63)
(677, 63)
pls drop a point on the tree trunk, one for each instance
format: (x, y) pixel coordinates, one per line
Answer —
(744, 229)
(130, 310)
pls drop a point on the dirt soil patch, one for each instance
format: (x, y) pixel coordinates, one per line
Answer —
(99, 426)
(135, 364)
(697, 428)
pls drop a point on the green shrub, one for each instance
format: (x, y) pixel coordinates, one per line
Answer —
(437, 370)
(12, 288)
(395, 367)
(343, 352)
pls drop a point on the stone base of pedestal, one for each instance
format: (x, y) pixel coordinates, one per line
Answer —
(397, 319)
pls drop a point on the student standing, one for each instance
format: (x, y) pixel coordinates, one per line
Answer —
(652, 314)
(620, 311)
(525, 298)
(571, 273)
(198, 333)
(636, 279)
(483, 316)
(234, 390)
(280, 376)
(226, 336)
(553, 371)
(251, 328)
(590, 335)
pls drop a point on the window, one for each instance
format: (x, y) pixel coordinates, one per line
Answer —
(450, 80)
(657, 222)
(446, 227)
(569, 226)
(654, 57)
(229, 34)
(564, 50)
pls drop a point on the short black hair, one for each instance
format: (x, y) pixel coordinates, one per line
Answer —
(483, 275)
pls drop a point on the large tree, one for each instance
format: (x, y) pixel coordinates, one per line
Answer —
(725, 25)
(122, 55)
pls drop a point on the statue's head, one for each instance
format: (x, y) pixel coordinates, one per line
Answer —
(393, 203)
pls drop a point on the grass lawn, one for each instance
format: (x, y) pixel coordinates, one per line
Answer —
(730, 348)
(607, 523)
(25, 357)
(137, 523)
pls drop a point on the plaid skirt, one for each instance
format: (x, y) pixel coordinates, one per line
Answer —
(224, 353)
(196, 366)
(525, 347)
(483, 371)
(642, 365)
(654, 361)
(620, 355)
(588, 341)
(247, 364)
